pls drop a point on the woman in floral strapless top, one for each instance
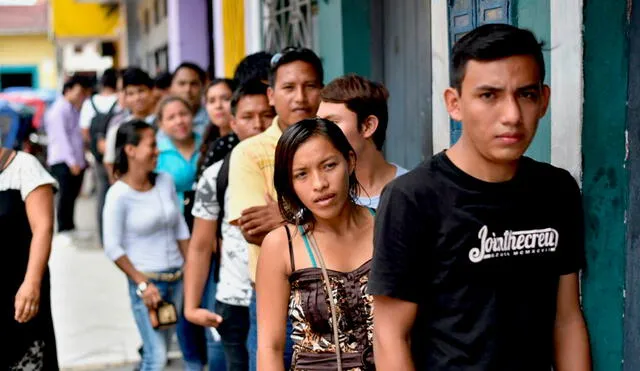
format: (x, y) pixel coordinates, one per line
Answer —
(316, 185)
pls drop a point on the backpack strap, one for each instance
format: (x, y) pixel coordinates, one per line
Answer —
(95, 108)
(113, 107)
(4, 157)
(93, 104)
(222, 182)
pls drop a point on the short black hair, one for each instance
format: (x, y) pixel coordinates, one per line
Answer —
(109, 78)
(491, 42)
(253, 66)
(293, 54)
(251, 87)
(202, 76)
(74, 80)
(136, 76)
(163, 80)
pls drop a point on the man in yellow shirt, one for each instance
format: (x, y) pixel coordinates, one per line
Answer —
(295, 81)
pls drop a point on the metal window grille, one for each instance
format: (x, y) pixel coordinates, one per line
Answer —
(288, 23)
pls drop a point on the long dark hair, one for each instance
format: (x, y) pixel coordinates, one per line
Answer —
(212, 133)
(128, 133)
(291, 207)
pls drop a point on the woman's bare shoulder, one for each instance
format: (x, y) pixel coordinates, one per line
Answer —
(279, 237)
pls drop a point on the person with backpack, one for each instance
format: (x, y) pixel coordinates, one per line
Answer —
(251, 115)
(95, 115)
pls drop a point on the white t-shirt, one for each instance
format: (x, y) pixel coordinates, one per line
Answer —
(25, 173)
(373, 202)
(145, 226)
(103, 104)
(234, 286)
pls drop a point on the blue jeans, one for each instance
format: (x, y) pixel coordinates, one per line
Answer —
(196, 343)
(215, 350)
(252, 340)
(154, 342)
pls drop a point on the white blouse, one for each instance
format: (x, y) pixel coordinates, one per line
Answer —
(25, 173)
(145, 226)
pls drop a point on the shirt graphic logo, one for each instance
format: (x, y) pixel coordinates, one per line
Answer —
(513, 243)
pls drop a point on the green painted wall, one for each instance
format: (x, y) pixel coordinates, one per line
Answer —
(345, 41)
(356, 28)
(331, 49)
(535, 15)
(605, 180)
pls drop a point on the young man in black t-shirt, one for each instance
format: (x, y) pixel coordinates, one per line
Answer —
(478, 250)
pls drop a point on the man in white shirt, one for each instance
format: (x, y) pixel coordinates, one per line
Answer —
(103, 101)
(252, 114)
(100, 106)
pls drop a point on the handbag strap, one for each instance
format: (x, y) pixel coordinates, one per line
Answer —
(332, 305)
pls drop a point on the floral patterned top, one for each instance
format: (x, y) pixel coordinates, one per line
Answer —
(310, 315)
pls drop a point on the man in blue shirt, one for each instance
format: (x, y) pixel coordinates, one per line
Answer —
(65, 151)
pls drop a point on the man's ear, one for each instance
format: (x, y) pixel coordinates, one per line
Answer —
(270, 96)
(369, 126)
(545, 96)
(452, 101)
(233, 123)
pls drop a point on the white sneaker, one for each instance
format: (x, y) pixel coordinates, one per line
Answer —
(63, 239)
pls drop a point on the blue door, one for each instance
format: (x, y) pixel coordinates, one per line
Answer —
(464, 16)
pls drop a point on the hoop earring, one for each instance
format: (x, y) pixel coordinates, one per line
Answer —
(299, 216)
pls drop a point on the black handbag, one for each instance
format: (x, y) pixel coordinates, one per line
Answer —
(164, 316)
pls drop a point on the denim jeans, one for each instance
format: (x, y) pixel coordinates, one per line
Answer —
(155, 342)
(215, 350)
(252, 340)
(196, 342)
(233, 331)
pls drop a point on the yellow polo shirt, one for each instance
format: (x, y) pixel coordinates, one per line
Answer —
(251, 177)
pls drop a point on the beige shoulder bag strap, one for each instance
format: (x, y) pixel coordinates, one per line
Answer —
(332, 305)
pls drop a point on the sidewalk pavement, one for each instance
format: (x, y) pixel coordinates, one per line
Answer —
(90, 303)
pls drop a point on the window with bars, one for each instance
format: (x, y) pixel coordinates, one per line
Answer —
(157, 12)
(146, 21)
(289, 23)
(464, 16)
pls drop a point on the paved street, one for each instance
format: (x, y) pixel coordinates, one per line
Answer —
(91, 309)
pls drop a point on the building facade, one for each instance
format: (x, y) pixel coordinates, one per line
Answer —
(27, 55)
(163, 33)
(592, 128)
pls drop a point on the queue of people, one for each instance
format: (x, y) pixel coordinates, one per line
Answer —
(258, 219)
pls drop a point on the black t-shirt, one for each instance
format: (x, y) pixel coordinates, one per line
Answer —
(481, 260)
